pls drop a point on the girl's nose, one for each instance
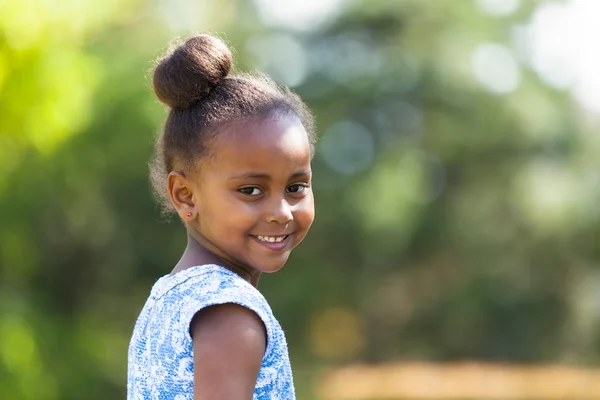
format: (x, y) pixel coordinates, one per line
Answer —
(281, 212)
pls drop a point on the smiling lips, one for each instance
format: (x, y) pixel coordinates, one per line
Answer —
(275, 243)
(271, 239)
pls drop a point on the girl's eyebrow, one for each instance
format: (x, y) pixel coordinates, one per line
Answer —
(262, 175)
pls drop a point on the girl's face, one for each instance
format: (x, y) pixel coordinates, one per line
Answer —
(252, 193)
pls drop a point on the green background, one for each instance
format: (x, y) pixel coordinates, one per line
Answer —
(453, 222)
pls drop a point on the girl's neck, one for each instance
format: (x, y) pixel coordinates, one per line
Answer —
(197, 254)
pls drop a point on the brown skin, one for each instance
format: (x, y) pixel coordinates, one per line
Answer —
(255, 182)
(229, 344)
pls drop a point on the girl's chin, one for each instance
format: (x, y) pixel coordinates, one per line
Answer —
(269, 266)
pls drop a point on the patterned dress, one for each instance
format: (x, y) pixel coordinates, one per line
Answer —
(160, 360)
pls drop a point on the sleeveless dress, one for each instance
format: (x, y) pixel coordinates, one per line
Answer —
(160, 358)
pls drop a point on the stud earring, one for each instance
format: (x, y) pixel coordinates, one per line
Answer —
(189, 215)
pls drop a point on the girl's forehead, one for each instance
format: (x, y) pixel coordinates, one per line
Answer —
(283, 134)
(260, 145)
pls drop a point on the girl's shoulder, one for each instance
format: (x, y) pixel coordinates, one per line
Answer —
(202, 286)
(201, 279)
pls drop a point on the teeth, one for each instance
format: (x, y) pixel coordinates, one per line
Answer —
(271, 239)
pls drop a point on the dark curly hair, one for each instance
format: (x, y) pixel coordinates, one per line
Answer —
(191, 78)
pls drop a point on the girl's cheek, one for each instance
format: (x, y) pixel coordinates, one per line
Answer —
(307, 210)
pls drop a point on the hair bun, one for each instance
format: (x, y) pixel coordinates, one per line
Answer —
(187, 72)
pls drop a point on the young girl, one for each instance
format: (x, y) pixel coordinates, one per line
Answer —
(233, 161)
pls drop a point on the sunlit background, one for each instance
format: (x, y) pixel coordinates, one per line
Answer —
(456, 249)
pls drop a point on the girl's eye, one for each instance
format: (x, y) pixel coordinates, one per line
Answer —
(297, 189)
(250, 191)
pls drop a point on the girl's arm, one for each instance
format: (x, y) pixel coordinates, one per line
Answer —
(229, 344)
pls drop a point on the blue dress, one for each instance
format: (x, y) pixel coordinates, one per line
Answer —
(160, 359)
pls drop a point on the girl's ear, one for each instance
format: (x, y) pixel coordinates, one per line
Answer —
(181, 194)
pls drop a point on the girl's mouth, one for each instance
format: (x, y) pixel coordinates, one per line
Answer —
(273, 242)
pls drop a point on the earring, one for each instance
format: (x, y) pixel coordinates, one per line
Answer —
(189, 214)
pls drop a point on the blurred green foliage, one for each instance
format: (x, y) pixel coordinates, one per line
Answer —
(452, 223)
